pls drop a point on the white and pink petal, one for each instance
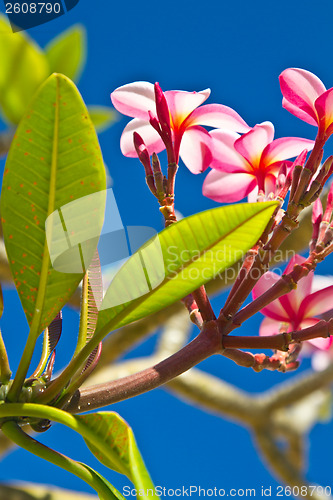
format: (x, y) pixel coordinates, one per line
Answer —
(324, 108)
(149, 135)
(182, 103)
(295, 297)
(268, 327)
(317, 303)
(300, 113)
(270, 184)
(301, 88)
(195, 149)
(274, 310)
(252, 144)
(227, 188)
(218, 116)
(135, 99)
(284, 148)
(225, 157)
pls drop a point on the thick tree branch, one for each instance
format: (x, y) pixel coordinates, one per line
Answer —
(207, 343)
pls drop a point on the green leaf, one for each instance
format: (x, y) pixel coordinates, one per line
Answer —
(67, 52)
(23, 69)
(179, 260)
(104, 489)
(122, 452)
(102, 117)
(113, 441)
(113, 493)
(53, 168)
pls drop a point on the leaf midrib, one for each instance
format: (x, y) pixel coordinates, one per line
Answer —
(36, 321)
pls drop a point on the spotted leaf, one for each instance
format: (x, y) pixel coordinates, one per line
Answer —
(122, 452)
(53, 172)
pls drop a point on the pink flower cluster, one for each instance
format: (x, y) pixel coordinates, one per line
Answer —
(241, 165)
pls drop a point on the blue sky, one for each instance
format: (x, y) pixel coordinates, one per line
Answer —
(238, 49)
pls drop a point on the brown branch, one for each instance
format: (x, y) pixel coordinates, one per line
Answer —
(281, 342)
(207, 343)
(203, 302)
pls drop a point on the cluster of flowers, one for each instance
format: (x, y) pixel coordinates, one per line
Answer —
(242, 166)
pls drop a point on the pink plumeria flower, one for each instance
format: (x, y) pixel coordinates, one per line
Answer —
(244, 164)
(191, 141)
(297, 309)
(306, 97)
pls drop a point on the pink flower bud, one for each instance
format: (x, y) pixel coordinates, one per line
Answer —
(162, 110)
(154, 122)
(142, 152)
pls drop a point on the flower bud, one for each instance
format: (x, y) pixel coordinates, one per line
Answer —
(162, 110)
(154, 122)
(143, 155)
(142, 152)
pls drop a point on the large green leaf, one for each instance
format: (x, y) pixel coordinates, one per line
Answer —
(67, 52)
(180, 259)
(53, 168)
(23, 68)
(118, 440)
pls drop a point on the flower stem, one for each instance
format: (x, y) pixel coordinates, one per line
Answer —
(322, 329)
(205, 307)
